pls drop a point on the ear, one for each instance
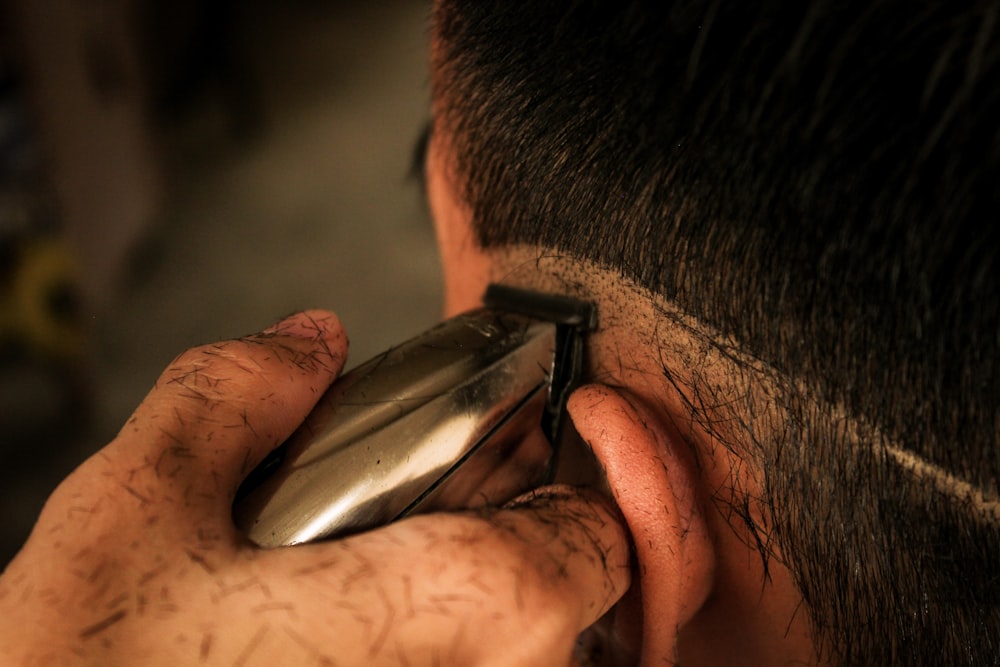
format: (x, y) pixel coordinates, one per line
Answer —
(651, 475)
(466, 268)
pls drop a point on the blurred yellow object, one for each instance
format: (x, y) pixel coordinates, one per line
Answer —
(39, 308)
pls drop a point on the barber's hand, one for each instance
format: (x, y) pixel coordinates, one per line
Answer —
(135, 559)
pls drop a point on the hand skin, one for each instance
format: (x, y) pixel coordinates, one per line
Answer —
(135, 560)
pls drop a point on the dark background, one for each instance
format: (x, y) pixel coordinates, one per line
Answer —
(221, 165)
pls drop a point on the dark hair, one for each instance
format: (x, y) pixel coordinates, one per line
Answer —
(820, 181)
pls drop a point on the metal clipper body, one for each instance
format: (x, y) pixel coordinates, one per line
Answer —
(465, 414)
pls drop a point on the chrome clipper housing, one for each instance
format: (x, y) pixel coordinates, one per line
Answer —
(468, 413)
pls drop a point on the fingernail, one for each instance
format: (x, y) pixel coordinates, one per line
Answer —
(542, 496)
(555, 496)
(310, 325)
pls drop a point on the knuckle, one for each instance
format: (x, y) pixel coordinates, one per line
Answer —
(208, 366)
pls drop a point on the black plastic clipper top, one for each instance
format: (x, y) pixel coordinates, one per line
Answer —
(573, 318)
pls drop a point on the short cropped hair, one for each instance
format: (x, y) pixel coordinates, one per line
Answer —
(818, 180)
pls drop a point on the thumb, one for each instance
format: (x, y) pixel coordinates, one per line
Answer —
(507, 586)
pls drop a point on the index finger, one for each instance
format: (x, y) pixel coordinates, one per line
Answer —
(218, 409)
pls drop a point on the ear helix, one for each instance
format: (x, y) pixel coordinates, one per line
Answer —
(653, 482)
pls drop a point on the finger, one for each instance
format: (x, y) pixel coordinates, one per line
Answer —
(512, 587)
(218, 409)
(584, 542)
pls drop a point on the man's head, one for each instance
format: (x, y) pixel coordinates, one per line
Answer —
(786, 215)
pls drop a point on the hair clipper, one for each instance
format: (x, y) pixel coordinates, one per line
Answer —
(468, 413)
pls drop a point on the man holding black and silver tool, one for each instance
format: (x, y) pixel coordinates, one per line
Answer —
(784, 217)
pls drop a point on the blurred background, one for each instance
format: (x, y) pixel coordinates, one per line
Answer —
(178, 173)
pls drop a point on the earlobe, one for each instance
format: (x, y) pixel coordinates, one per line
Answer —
(653, 481)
